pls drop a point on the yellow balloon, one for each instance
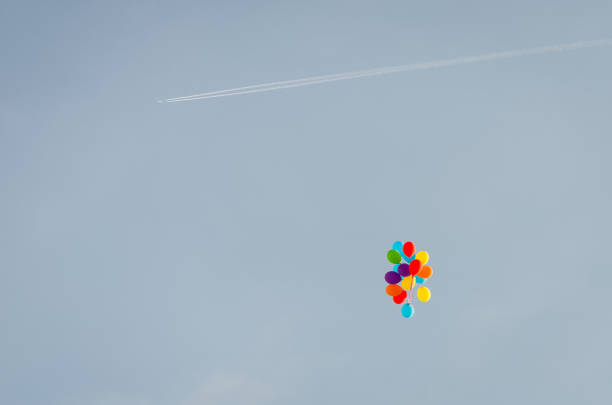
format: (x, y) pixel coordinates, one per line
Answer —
(407, 283)
(423, 294)
(422, 256)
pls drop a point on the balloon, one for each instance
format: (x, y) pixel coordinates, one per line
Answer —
(407, 310)
(423, 294)
(394, 257)
(404, 269)
(406, 258)
(415, 266)
(392, 277)
(408, 248)
(399, 299)
(393, 290)
(425, 272)
(410, 272)
(397, 246)
(407, 283)
(423, 257)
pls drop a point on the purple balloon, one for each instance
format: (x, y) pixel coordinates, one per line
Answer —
(403, 269)
(393, 277)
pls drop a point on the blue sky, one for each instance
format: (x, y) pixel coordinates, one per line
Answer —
(233, 250)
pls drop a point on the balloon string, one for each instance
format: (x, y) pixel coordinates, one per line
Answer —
(411, 287)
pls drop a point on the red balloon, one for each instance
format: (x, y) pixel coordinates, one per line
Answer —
(409, 249)
(415, 266)
(398, 299)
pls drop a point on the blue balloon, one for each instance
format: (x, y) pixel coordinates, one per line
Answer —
(418, 279)
(395, 268)
(407, 310)
(406, 258)
(398, 246)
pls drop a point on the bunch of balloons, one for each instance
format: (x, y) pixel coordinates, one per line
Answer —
(410, 271)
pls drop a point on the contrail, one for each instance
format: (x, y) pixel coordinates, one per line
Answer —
(307, 81)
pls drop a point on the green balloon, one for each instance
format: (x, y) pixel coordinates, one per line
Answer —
(394, 256)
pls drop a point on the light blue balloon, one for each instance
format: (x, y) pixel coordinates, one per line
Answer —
(395, 268)
(407, 310)
(398, 246)
(406, 258)
(419, 279)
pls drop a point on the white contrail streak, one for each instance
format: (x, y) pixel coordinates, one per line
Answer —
(286, 84)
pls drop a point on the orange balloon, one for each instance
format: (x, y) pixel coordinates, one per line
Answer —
(425, 272)
(393, 290)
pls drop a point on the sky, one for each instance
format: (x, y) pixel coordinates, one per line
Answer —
(232, 251)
